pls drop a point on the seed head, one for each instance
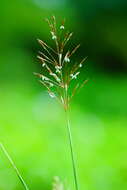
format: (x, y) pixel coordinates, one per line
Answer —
(60, 72)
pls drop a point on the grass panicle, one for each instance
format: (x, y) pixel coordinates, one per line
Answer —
(59, 74)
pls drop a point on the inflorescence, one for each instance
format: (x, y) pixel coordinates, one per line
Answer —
(57, 65)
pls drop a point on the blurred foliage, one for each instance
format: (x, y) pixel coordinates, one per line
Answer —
(32, 126)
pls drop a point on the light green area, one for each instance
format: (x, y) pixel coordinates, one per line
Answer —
(33, 131)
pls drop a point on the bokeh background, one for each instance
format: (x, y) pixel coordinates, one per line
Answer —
(32, 126)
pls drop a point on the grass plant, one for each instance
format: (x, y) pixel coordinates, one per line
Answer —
(60, 74)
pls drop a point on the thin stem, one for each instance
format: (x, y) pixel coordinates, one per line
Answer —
(14, 167)
(72, 151)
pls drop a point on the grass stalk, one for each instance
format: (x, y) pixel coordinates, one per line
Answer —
(65, 73)
(71, 150)
(14, 166)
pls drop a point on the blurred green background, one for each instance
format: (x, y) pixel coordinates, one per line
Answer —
(32, 126)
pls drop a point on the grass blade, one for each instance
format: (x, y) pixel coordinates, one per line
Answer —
(14, 166)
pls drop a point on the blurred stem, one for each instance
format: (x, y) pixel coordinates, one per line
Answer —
(70, 141)
(71, 150)
(14, 166)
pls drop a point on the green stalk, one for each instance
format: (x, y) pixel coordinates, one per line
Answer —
(14, 166)
(70, 140)
(72, 151)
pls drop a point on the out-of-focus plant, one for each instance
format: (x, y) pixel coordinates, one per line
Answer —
(58, 184)
(14, 166)
(59, 73)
